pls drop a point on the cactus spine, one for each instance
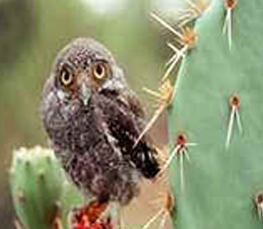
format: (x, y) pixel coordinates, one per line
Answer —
(217, 105)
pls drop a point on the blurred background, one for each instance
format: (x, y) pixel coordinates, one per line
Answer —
(33, 31)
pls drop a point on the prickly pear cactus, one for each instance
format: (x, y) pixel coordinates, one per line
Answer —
(42, 195)
(217, 182)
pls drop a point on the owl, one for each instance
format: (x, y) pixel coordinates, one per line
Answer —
(93, 119)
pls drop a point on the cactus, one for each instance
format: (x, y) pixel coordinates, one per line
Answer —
(42, 195)
(214, 131)
(217, 105)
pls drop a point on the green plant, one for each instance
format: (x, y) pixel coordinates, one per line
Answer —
(214, 121)
(42, 195)
(217, 105)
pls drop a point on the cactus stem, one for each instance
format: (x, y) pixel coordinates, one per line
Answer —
(164, 98)
(227, 29)
(259, 205)
(234, 103)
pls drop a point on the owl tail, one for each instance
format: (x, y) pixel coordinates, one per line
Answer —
(146, 160)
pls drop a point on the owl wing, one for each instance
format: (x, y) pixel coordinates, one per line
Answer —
(125, 119)
(135, 105)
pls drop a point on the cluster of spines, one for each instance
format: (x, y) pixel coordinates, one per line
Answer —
(187, 40)
(186, 37)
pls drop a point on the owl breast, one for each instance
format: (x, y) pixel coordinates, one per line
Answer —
(91, 156)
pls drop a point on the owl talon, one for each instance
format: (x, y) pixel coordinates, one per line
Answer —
(87, 215)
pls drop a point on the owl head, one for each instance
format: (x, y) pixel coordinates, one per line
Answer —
(81, 70)
(84, 67)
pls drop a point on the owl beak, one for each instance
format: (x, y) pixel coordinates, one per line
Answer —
(85, 93)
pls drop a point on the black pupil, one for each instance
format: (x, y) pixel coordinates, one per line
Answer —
(99, 69)
(66, 76)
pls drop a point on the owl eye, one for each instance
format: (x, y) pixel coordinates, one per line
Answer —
(66, 77)
(99, 71)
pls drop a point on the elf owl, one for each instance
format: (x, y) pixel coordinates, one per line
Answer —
(93, 120)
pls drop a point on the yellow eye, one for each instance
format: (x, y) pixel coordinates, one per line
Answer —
(99, 71)
(66, 78)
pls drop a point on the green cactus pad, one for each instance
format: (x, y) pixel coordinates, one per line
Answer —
(39, 189)
(220, 182)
